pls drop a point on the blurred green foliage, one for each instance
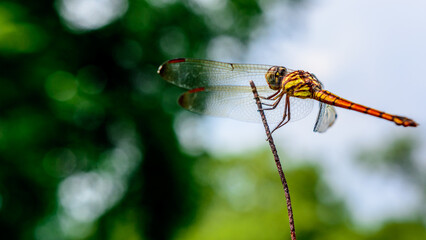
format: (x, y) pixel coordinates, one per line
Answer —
(87, 147)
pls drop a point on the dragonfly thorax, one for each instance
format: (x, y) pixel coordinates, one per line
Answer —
(301, 84)
(275, 76)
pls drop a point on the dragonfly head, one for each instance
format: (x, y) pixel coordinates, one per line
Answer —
(275, 76)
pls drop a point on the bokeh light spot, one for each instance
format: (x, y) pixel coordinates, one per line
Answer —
(225, 48)
(21, 38)
(173, 43)
(61, 86)
(85, 196)
(91, 14)
(17, 35)
(189, 130)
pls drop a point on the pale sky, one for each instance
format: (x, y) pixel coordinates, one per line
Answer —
(370, 52)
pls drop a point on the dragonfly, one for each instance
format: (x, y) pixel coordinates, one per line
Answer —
(222, 89)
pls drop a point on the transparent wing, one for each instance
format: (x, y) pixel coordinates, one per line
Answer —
(326, 117)
(237, 102)
(195, 73)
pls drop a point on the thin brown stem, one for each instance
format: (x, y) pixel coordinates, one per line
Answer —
(277, 161)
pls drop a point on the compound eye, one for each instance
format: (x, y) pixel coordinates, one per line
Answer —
(272, 78)
(283, 71)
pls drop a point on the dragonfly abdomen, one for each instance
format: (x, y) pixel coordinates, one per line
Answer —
(332, 99)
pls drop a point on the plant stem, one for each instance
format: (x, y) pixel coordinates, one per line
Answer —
(277, 161)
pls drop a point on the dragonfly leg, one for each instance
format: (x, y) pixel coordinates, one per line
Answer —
(286, 116)
(272, 96)
(268, 104)
(275, 104)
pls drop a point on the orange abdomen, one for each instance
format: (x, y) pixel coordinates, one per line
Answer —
(332, 99)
